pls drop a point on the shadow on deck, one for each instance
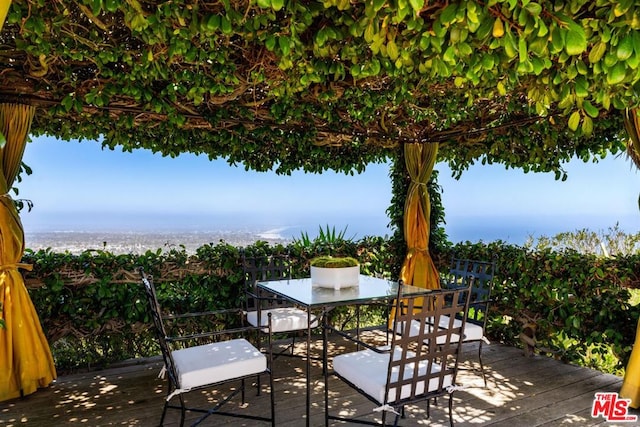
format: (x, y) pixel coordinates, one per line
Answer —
(535, 391)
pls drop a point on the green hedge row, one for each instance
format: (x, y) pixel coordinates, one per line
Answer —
(96, 316)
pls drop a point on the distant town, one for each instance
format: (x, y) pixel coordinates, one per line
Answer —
(76, 242)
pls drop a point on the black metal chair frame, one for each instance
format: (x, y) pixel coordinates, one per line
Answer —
(269, 267)
(482, 274)
(439, 360)
(168, 345)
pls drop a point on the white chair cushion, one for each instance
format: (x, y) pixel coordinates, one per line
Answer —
(283, 319)
(367, 370)
(472, 332)
(211, 363)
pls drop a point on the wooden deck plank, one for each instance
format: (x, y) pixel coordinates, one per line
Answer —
(536, 391)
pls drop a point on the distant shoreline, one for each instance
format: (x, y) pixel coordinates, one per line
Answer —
(136, 242)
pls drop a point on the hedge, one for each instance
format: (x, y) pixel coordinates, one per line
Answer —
(94, 313)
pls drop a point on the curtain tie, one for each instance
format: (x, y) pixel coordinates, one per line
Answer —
(16, 266)
(418, 183)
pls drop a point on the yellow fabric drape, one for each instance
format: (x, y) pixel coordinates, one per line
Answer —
(631, 384)
(25, 358)
(418, 268)
(4, 8)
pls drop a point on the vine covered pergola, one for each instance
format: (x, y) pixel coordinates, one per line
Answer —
(332, 84)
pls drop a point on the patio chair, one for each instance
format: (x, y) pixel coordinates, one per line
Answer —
(407, 371)
(285, 318)
(481, 274)
(208, 360)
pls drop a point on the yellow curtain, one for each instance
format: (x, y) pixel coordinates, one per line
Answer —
(418, 268)
(631, 384)
(25, 358)
(4, 8)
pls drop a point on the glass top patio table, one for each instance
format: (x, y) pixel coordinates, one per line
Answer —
(304, 293)
(369, 290)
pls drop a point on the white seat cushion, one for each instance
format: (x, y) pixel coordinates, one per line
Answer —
(283, 319)
(472, 332)
(216, 362)
(367, 370)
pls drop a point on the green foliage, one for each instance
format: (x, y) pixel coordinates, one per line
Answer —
(332, 84)
(326, 237)
(333, 262)
(611, 242)
(94, 312)
(579, 302)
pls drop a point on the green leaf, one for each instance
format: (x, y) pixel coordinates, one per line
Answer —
(3, 140)
(574, 121)
(522, 49)
(225, 23)
(582, 87)
(617, 73)
(264, 4)
(112, 5)
(587, 126)
(277, 4)
(285, 45)
(590, 109)
(448, 15)
(392, 50)
(597, 51)
(377, 5)
(67, 102)
(534, 8)
(621, 7)
(270, 43)
(576, 39)
(416, 5)
(625, 48)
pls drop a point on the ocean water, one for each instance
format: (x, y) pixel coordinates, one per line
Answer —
(136, 234)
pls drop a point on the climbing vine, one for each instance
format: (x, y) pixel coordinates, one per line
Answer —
(281, 84)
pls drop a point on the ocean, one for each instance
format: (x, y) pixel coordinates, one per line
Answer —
(139, 234)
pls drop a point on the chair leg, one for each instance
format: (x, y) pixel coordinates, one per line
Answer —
(484, 377)
(164, 412)
(183, 410)
(257, 376)
(451, 409)
(273, 400)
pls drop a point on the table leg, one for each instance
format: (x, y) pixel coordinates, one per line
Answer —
(308, 357)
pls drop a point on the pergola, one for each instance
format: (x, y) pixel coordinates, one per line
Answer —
(310, 85)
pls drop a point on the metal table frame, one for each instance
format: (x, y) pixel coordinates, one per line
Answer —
(303, 293)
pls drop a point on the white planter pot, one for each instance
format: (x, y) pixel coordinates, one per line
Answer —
(335, 278)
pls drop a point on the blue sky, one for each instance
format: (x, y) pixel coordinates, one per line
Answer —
(79, 186)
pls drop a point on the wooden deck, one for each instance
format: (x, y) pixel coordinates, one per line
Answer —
(535, 391)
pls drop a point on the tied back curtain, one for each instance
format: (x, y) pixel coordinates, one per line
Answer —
(418, 268)
(25, 358)
(631, 383)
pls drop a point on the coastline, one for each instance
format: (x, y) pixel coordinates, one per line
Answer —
(138, 242)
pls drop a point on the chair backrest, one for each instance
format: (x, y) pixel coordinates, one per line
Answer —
(434, 348)
(264, 267)
(482, 273)
(158, 323)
